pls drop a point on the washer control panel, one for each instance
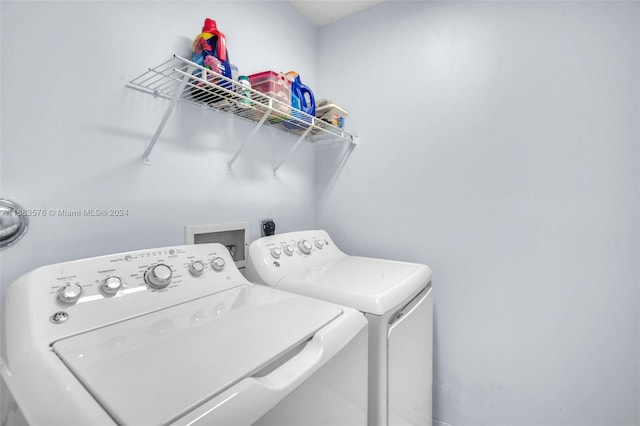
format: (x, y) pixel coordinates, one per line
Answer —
(82, 294)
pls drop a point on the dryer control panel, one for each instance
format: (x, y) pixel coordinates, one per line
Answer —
(271, 258)
(76, 296)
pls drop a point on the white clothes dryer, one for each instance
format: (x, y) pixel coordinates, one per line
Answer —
(395, 297)
(176, 336)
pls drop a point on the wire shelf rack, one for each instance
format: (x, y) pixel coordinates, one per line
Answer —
(180, 80)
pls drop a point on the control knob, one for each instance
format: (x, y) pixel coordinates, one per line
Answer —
(111, 285)
(288, 249)
(305, 246)
(319, 244)
(196, 268)
(70, 293)
(276, 252)
(217, 263)
(158, 276)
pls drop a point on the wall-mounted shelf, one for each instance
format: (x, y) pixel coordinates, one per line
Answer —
(179, 79)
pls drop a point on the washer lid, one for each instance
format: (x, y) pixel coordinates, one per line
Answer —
(373, 286)
(155, 368)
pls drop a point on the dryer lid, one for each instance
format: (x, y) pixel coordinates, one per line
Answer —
(373, 286)
(157, 367)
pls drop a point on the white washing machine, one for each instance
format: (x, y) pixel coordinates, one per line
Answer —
(395, 297)
(176, 336)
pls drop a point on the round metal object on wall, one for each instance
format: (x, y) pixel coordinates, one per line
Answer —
(13, 222)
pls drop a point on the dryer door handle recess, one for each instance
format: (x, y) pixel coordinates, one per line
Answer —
(410, 306)
(251, 398)
(409, 376)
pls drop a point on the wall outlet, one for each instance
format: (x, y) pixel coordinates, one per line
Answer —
(268, 227)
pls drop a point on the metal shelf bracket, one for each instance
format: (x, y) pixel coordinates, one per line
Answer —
(246, 141)
(286, 156)
(167, 114)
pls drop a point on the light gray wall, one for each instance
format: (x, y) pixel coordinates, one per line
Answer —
(73, 134)
(500, 145)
